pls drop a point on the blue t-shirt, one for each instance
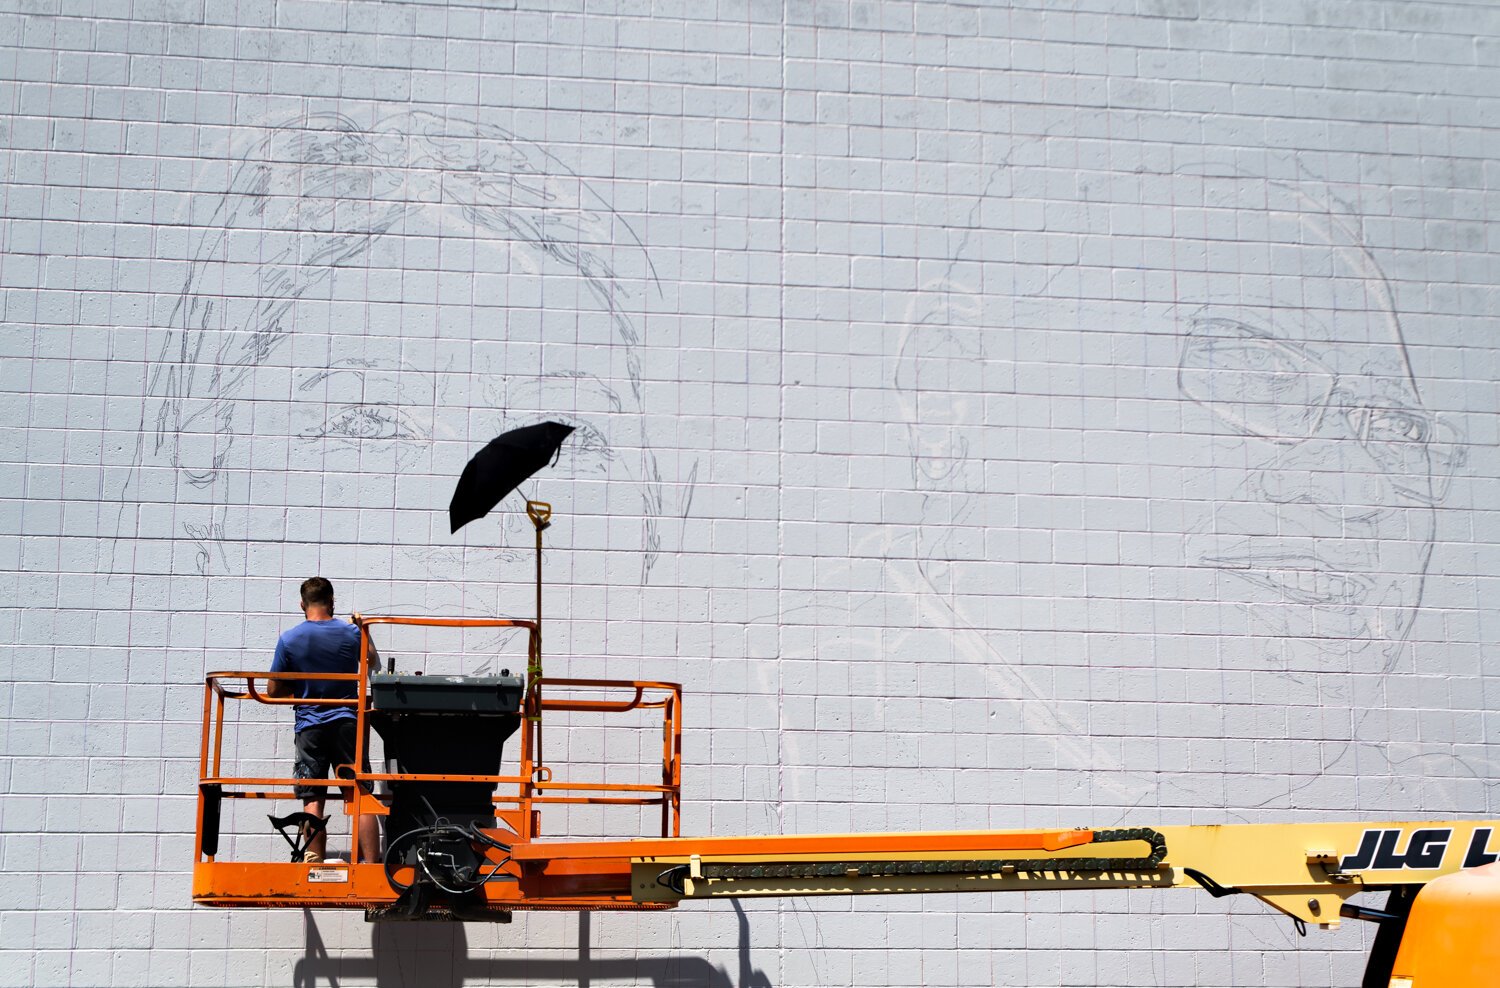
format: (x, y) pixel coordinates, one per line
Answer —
(319, 646)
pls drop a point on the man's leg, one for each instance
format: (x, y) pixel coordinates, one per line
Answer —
(312, 763)
(369, 838)
(369, 824)
(317, 847)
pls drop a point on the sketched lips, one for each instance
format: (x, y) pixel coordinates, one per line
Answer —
(1302, 577)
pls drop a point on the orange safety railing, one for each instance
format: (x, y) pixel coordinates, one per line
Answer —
(535, 784)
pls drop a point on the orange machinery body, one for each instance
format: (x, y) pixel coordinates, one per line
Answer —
(531, 874)
(1308, 871)
(229, 880)
(1452, 937)
(579, 876)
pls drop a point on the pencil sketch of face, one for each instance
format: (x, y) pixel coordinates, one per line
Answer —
(940, 380)
(1297, 348)
(358, 290)
(950, 364)
(1316, 465)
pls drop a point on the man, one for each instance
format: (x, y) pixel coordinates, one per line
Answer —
(325, 732)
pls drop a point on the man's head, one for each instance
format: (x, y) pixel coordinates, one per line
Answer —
(317, 596)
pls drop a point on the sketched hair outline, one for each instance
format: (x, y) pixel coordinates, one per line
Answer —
(316, 194)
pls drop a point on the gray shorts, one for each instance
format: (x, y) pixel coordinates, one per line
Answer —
(320, 748)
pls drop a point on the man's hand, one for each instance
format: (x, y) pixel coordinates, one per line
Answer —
(357, 619)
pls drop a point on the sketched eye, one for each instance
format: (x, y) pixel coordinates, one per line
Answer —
(1258, 384)
(367, 422)
(1249, 368)
(585, 451)
(587, 443)
(1419, 452)
(1391, 425)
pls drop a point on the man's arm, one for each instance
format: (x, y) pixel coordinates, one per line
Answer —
(358, 621)
(279, 687)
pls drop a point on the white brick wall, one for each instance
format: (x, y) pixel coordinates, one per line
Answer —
(1012, 414)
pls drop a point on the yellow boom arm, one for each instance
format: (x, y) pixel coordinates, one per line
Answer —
(1306, 870)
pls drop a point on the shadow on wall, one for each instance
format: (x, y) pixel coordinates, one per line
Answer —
(436, 955)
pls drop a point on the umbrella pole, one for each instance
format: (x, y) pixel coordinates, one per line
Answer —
(540, 513)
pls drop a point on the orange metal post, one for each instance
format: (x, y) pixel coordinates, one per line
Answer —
(202, 771)
(218, 734)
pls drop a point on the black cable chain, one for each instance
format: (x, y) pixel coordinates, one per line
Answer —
(885, 869)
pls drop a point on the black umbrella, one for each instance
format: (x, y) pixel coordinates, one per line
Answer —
(500, 468)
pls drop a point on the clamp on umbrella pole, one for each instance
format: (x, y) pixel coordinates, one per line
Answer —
(540, 513)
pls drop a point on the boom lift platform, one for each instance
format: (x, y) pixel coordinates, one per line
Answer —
(464, 841)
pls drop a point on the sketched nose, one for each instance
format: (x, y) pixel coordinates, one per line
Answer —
(1337, 476)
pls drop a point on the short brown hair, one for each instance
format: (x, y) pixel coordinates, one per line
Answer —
(317, 592)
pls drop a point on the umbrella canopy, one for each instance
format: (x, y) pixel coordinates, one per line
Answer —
(501, 466)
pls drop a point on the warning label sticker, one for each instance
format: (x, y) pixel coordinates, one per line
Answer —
(328, 875)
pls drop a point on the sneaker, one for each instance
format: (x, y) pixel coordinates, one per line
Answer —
(334, 861)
